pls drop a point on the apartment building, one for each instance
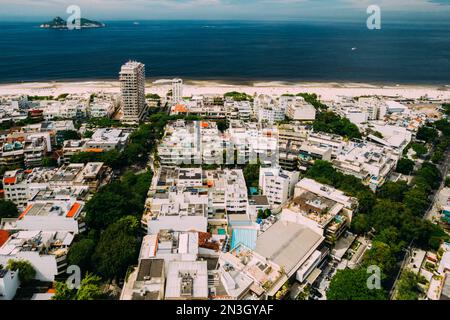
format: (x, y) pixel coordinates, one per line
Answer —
(282, 252)
(45, 250)
(277, 184)
(298, 109)
(101, 108)
(239, 110)
(191, 143)
(146, 282)
(177, 91)
(367, 161)
(269, 109)
(21, 185)
(308, 153)
(227, 191)
(50, 210)
(251, 141)
(324, 209)
(68, 109)
(132, 89)
(108, 139)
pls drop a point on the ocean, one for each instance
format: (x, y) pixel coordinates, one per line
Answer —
(232, 51)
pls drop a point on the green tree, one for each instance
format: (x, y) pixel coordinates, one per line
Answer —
(419, 148)
(118, 199)
(360, 224)
(427, 134)
(416, 200)
(251, 174)
(331, 122)
(408, 286)
(90, 288)
(70, 135)
(26, 270)
(117, 248)
(8, 209)
(405, 166)
(394, 191)
(62, 292)
(80, 253)
(222, 125)
(351, 284)
(314, 100)
(380, 255)
(238, 96)
(49, 162)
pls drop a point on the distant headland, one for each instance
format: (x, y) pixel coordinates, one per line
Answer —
(60, 23)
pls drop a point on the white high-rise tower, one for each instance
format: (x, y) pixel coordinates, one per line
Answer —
(132, 87)
(177, 91)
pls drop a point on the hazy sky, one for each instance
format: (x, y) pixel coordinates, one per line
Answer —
(431, 10)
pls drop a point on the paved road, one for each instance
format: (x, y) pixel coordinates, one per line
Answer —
(443, 167)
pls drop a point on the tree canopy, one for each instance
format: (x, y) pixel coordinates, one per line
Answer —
(80, 253)
(118, 199)
(117, 248)
(26, 270)
(8, 209)
(331, 122)
(405, 166)
(351, 284)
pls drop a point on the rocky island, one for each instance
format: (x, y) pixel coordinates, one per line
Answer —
(60, 23)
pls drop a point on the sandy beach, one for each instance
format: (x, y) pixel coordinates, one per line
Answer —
(327, 91)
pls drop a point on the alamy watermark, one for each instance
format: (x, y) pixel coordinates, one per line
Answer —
(374, 280)
(74, 279)
(74, 20)
(374, 19)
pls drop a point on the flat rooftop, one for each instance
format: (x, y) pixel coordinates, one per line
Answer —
(287, 244)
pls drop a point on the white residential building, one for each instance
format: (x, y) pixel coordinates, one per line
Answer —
(187, 280)
(101, 108)
(227, 190)
(367, 161)
(251, 141)
(269, 109)
(180, 210)
(322, 208)
(298, 109)
(108, 139)
(67, 109)
(9, 283)
(177, 91)
(51, 211)
(21, 185)
(277, 184)
(191, 143)
(132, 88)
(46, 251)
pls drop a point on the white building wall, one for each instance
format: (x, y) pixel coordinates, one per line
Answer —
(9, 284)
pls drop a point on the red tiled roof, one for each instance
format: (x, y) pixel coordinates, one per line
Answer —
(73, 210)
(9, 180)
(96, 150)
(180, 108)
(25, 211)
(4, 236)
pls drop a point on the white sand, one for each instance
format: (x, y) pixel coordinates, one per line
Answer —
(327, 91)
